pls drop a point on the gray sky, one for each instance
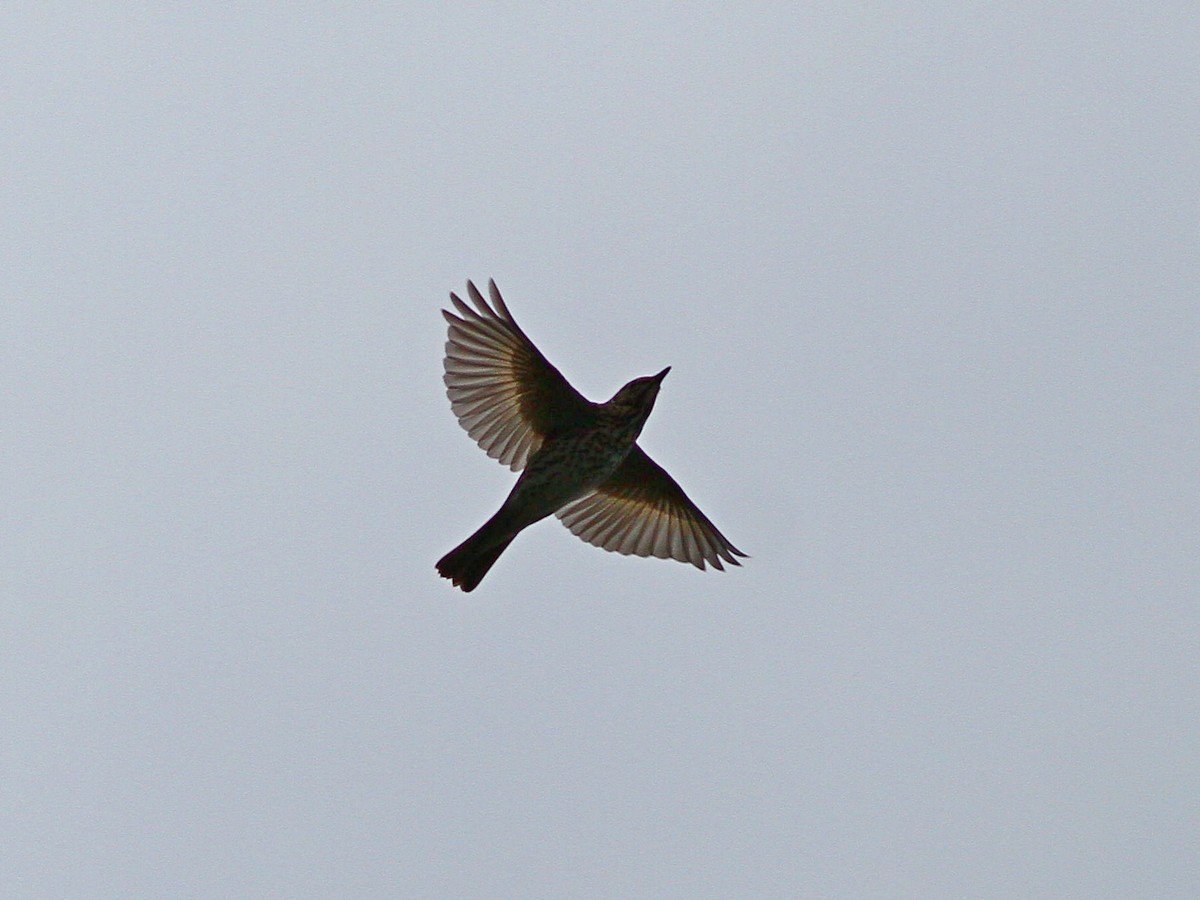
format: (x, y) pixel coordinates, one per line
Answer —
(927, 277)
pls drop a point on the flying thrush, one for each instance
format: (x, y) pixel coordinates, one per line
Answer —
(580, 460)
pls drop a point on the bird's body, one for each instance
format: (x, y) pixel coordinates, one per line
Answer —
(568, 466)
(580, 459)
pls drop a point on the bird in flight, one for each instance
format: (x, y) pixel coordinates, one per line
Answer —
(578, 460)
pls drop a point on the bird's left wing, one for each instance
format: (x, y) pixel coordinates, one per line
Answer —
(504, 392)
(642, 510)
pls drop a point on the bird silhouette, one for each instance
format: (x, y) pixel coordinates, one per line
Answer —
(578, 460)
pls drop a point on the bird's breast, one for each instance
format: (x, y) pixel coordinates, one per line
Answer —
(569, 466)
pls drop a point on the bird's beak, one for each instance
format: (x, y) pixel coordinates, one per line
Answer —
(661, 375)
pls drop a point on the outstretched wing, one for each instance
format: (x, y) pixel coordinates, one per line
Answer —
(503, 391)
(642, 510)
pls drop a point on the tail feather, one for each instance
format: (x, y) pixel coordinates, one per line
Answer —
(467, 563)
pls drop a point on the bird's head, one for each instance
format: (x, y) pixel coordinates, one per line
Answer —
(637, 398)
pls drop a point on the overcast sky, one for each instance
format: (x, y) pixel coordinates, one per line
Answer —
(927, 278)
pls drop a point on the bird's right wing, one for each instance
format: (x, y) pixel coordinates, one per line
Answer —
(504, 392)
(642, 510)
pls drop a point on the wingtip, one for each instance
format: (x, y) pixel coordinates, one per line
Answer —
(464, 311)
(498, 302)
(477, 299)
(731, 553)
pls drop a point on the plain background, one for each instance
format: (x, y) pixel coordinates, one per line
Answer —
(927, 275)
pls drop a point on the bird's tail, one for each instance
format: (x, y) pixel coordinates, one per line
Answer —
(467, 563)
